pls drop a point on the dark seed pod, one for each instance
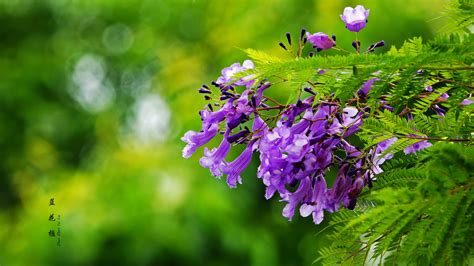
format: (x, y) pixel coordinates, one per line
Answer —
(288, 38)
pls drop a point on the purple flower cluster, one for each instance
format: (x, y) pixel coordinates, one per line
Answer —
(297, 144)
(296, 147)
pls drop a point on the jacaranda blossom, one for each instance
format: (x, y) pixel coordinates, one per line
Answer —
(234, 168)
(228, 74)
(298, 143)
(197, 139)
(214, 159)
(467, 101)
(355, 18)
(364, 91)
(417, 146)
(320, 40)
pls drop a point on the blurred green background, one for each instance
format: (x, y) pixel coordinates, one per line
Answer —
(94, 96)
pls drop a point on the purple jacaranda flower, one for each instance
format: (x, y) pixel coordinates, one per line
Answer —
(317, 204)
(353, 193)
(228, 74)
(196, 139)
(429, 88)
(417, 146)
(372, 47)
(378, 157)
(467, 101)
(295, 110)
(355, 18)
(209, 118)
(338, 192)
(364, 91)
(234, 168)
(259, 127)
(303, 124)
(351, 120)
(351, 151)
(303, 191)
(214, 159)
(384, 106)
(320, 40)
(321, 71)
(438, 110)
(240, 111)
(259, 94)
(444, 97)
(298, 148)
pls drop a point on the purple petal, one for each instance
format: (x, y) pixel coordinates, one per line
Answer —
(467, 101)
(355, 18)
(196, 139)
(364, 91)
(234, 168)
(214, 158)
(320, 40)
(417, 147)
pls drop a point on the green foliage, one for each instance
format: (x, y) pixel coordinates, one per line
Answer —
(398, 70)
(422, 214)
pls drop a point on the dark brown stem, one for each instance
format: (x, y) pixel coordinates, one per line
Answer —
(274, 101)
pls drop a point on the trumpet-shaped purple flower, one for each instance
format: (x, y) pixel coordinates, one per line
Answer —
(234, 168)
(355, 18)
(339, 191)
(228, 74)
(320, 40)
(214, 159)
(317, 204)
(444, 97)
(467, 101)
(351, 120)
(195, 139)
(303, 192)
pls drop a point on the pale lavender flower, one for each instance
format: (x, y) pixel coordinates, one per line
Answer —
(320, 40)
(351, 119)
(467, 101)
(298, 148)
(355, 18)
(228, 74)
